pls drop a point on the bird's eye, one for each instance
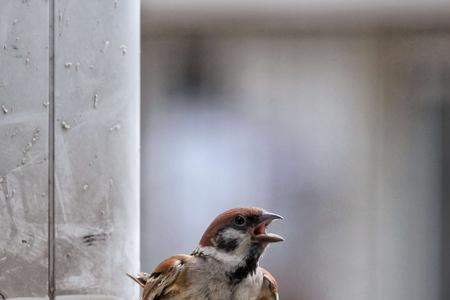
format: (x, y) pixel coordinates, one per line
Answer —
(239, 220)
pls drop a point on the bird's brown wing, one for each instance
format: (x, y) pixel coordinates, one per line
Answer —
(167, 278)
(269, 290)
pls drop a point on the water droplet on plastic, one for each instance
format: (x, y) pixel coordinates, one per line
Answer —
(68, 65)
(95, 100)
(115, 127)
(77, 66)
(4, 109)
(14, 133)
(105, 46)
(65, 125)
(124, 49)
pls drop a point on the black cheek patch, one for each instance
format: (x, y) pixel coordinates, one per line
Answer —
(227, 244)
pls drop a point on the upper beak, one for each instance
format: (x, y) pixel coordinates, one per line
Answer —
(260, 234)
(267, 216)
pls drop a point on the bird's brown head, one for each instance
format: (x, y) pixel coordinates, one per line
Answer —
(237, 226)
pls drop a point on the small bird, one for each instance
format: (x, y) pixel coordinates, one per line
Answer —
(224, 266)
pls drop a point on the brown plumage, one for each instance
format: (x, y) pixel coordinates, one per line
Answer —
(223, 267)
(269, 290)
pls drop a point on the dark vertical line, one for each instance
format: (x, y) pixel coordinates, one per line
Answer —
(445, 181)
(51, 153)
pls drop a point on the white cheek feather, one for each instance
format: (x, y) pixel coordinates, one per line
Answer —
(227, 258)
(232, 258)
(231, 234)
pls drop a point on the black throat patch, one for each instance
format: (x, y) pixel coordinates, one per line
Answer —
(248, 266)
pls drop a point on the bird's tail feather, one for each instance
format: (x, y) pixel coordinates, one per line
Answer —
(139, 280)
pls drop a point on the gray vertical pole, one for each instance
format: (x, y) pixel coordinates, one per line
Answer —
(72, 117)
(96, 147)
(24, 112)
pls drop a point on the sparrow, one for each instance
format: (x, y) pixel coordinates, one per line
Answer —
(224, 265)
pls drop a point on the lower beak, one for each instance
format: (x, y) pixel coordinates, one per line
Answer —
(268, 238)
(260, 234)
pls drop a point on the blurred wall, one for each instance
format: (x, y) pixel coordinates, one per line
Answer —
(409, 219)
(341, 134)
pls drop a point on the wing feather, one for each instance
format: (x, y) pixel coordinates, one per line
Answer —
(164, 280)
(140, 279)
(269, 290)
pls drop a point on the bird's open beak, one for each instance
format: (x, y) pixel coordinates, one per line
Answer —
(259, 231)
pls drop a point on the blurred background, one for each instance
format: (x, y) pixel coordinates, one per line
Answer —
(334, 114)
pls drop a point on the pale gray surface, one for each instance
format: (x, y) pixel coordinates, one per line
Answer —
(96, 148)
(97, 158)
(23, 147)
(341, 135)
